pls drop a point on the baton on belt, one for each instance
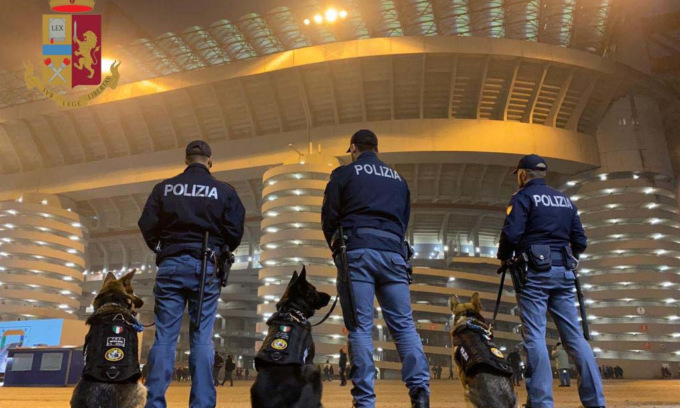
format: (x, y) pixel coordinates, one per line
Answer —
(582, 307)
(205, 251)
(344, 266)
(501, 271)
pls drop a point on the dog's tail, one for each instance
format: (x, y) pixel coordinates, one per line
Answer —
(453, 302)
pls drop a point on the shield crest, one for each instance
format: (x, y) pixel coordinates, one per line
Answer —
(71, 50)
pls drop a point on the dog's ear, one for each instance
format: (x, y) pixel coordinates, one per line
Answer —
(110, 277)
(303, 274)
(476, 303)
(127, 279)
(293, 279)
(453, 302)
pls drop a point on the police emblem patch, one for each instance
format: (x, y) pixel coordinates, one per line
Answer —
(114, 354)
(117, 329)
(285, 329)
(115, 342)
(496, 352)
(508, 210)
(279, 344)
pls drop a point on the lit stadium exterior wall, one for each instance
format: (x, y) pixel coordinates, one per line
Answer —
(292, 237)
(42, 258)
(631, 268)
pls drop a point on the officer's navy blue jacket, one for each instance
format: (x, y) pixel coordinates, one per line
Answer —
(541, 215)
(179, 211)
(367, 194)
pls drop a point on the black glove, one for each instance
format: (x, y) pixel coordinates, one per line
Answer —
(505, 265)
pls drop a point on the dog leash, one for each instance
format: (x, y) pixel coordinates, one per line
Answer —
(335, 302)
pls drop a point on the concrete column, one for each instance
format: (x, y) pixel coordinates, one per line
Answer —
(291, 237)
(42, 258)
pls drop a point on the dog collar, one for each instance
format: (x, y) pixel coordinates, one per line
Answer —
(294, 314)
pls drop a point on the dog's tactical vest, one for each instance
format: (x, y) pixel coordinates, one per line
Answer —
(476, 350)
(111, 349)
(288, 341)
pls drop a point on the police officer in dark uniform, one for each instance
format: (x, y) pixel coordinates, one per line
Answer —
(544, 225)
(175, 218)
(371, 201)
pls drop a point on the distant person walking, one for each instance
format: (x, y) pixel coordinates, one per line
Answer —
(217, 366)
(229, 367)
(343, 367)
(515, 361)
(327, 371)
(562, 365)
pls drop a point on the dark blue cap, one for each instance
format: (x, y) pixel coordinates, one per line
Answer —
(364, 136)
(531, 162)
(198, 148)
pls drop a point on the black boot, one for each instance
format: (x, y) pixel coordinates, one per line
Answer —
(420, 399)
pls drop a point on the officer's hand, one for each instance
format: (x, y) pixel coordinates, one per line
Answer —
(504, 265)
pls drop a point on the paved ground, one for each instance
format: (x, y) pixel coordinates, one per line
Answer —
(391, 394)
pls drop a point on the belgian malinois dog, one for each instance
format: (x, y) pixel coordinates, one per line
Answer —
(286, 374)
(482, 371)
(111, 374)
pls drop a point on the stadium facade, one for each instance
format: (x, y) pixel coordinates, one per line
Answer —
(456, 90)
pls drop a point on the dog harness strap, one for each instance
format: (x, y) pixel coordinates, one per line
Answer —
(288, 342)
(475, 350)
(110, 351)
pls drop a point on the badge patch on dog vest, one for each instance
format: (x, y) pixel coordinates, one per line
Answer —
(282, 335)
(114, 354)
(279, 344)
(115, 342)
(496, 352)
(117, 329)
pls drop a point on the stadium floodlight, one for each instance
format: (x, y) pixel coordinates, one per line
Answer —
(331, 15)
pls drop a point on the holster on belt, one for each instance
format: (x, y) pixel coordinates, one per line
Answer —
(519, 268)
(224, 262)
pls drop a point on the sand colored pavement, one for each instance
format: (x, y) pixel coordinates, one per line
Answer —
(391, 394)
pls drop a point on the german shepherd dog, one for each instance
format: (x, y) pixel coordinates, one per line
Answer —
(286, 374)
(486, 387)
(116, 298)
